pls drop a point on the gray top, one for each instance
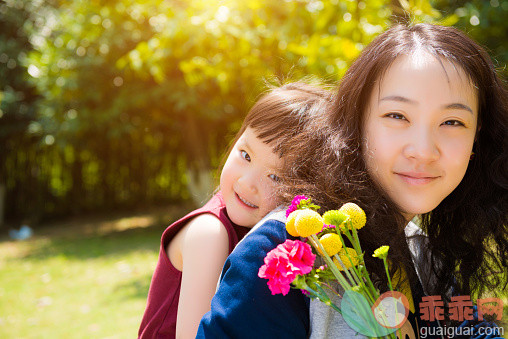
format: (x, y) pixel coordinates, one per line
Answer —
(327, 323)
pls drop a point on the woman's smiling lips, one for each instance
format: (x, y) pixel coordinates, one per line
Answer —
(417, 178)
(245, 202)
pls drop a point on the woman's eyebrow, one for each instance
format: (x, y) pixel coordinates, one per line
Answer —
(399, 99)
(459, 106)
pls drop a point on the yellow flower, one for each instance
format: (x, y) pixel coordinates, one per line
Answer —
(331, 243)
(381, 252)
(343, 257)
(290, 223)
(308, 222)
(355, 213)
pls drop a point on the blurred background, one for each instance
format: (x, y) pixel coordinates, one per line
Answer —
(114, 116)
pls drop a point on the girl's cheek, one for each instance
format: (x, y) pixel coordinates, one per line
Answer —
(270, 196)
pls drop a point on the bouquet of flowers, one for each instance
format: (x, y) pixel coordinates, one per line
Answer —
(294, 263)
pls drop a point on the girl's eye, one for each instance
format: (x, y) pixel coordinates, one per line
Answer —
(245, 155)
(274, 177)
(397, 116)
(453, 123)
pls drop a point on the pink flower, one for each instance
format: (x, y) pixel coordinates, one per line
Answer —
(284, 263)
(305, 292)
(294, 204)
(325, 226)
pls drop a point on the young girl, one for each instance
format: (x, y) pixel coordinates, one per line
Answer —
(194, 248)
(420, 128)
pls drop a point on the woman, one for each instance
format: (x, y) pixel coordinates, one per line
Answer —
(420, 128)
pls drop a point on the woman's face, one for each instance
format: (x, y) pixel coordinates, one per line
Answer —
(419, 131)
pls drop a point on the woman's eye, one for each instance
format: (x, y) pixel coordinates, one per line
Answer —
(397, 116)
(453, 123)
(274, 177)
(245, 155)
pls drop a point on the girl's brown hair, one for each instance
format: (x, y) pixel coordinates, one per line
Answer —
(282, 117)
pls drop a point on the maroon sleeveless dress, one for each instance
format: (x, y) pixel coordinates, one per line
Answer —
(159, 319)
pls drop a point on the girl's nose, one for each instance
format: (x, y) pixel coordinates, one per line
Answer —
(421, 145)
(248, 182)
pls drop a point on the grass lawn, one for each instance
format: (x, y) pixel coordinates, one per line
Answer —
(85, 278)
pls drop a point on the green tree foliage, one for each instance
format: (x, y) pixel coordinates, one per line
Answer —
(139, 99)
(485, 21)
(18, 138)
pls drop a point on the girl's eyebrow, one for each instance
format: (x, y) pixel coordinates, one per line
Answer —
(244, 144)
(399, 98)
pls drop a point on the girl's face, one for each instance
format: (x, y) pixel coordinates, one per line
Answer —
(249, 178)
(419, 131)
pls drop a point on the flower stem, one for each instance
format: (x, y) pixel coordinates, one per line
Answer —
(357, 272)
(374, 291)
(327, 299)
(352, 278)
(388, 274)
(340, 278)
(357, 240)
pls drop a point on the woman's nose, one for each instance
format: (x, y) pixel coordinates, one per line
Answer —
(421, 145)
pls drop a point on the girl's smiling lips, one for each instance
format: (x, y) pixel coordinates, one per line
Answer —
(245, 202)
(417, 178)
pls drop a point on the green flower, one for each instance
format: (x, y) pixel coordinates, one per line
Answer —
(334, 217)
(381, 252)
(357, 288)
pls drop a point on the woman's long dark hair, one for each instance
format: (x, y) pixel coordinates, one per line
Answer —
(467, 231)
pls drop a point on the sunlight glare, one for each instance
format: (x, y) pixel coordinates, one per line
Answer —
(222, 14)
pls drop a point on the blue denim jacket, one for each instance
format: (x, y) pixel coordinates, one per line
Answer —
(243, 306)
